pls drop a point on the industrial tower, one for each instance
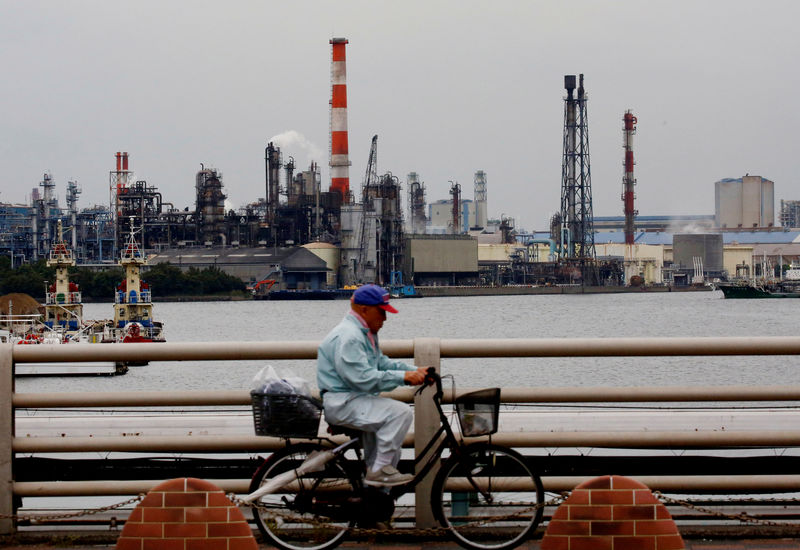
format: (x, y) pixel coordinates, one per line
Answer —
(576, 238)
(339, 155)
(481, 216)
(455, 192)
(272, 167)
(381, 247)
(366, 261)
(209, 208)
(628, 181)
(72, 207)
(630, 265)
(416, 204)
(118, 181)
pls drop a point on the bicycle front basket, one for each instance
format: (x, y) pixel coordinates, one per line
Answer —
(285, 415)
(478, 412)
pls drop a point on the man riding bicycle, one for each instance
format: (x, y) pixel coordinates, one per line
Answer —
(352, 371)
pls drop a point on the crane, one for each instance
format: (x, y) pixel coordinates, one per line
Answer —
(370, 179)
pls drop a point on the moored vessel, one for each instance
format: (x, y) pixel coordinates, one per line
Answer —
(749, 289)
(63, 306)
(133, 306)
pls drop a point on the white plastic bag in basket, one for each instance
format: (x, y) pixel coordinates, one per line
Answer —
(267, 380)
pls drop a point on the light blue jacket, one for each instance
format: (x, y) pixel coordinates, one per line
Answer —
(347, 361)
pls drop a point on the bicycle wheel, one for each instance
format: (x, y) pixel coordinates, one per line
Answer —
(312, 513)
(487, 497)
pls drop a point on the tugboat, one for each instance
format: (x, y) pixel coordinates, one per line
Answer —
(63, 308)
(133, 309)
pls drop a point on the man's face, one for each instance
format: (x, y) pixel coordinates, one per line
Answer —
(373, 316)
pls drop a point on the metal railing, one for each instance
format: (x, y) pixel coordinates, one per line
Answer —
(425, 351)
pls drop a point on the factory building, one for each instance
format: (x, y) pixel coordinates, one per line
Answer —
(290, 268)
(744, 202)
(647, 261)
(790, 214)
(695, 259)
(436, 260)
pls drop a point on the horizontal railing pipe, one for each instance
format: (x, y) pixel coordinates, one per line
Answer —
(600, 394)
(545, 347)
(130, 399)
(663, 439)
(618, 347)
(196, 351)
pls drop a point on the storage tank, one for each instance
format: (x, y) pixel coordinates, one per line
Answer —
(744, 202)
(330, 255)
(708, 246)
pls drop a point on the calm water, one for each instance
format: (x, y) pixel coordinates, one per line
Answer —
(571, 316)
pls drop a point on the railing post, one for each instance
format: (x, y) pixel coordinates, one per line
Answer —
(427, 353)
(6, 433)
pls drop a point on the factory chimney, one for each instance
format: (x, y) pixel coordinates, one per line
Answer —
(628, 181)
(481, 216)
(339, 160)
(455, 191)
(117, 185)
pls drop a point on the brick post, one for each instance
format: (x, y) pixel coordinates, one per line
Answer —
(186, 514)
(612, 513)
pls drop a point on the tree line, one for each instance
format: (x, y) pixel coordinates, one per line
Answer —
(164, 279)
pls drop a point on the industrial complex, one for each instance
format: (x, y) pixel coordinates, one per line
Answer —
(303, 235)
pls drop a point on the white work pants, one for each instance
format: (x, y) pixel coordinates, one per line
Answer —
(384, 421)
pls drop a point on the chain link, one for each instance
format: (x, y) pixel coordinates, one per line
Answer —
(433, 531)
(271, 513)
(79, 513)
(741, 516)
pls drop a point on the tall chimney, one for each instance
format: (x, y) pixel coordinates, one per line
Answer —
(125, 161)
(628, 180)
(339, 160)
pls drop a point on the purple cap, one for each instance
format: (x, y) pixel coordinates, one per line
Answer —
(373, 295)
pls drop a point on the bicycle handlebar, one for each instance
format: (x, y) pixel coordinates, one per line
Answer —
(431, 378)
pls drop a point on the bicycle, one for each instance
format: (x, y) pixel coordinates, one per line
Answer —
(484, 494)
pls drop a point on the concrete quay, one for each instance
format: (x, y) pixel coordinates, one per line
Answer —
(106, 540)
(516, 290)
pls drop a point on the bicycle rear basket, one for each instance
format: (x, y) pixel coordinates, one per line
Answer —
(285, 415)
(478, 412)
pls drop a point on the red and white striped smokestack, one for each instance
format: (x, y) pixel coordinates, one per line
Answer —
(628, 180)
(125, 161)
(340, 161)
(119, 161)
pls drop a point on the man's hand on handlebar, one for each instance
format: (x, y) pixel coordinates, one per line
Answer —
(415, 377)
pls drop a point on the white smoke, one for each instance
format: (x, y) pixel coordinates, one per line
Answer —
(690, 227)
(291, 141)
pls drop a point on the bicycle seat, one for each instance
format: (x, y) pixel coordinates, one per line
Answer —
(335, 429)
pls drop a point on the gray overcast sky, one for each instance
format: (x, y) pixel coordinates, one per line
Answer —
(449, 87)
